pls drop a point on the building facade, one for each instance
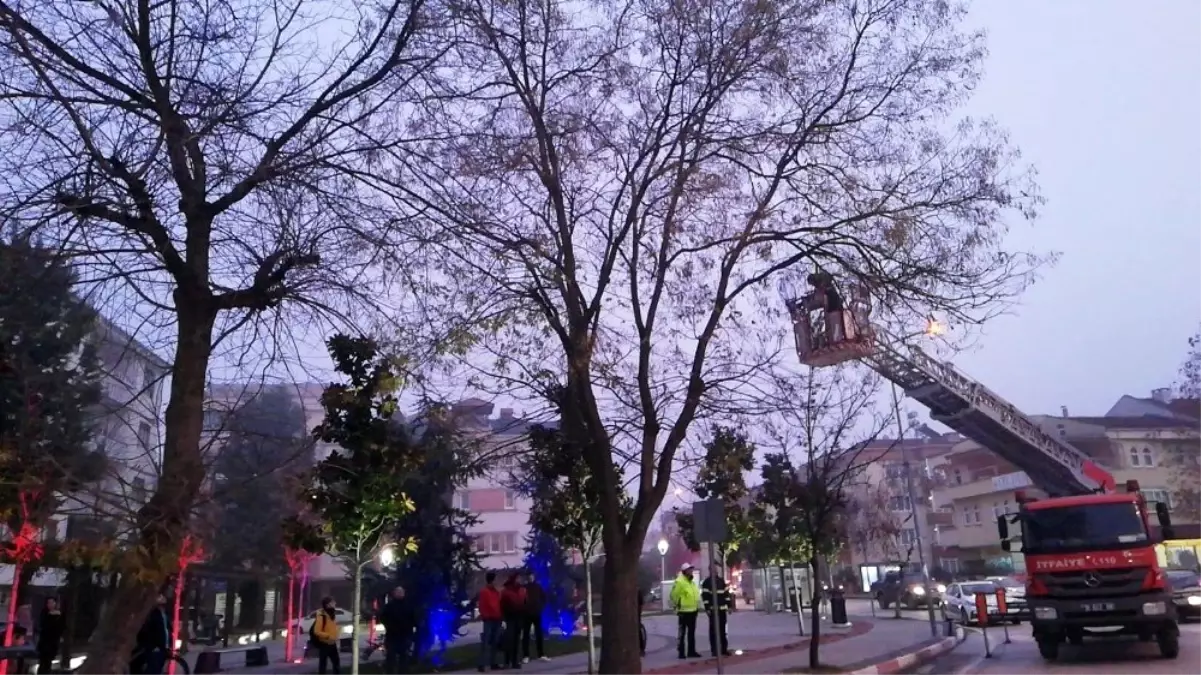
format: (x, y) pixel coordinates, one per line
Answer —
(1134, 441)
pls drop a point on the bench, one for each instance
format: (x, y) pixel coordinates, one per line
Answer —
(209, 660)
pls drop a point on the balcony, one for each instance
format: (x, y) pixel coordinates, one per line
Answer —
(1005, 483)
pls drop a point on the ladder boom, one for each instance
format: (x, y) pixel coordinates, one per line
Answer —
(980, 414)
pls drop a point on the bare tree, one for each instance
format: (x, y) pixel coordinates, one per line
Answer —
(209, 164)
(630, 177)
(827, 430)
(1188, 386)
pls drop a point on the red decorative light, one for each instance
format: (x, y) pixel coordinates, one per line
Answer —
(190, 551)
(298, 565)
(25, 548)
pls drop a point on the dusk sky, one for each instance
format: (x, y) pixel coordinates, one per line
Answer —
(1104, 98)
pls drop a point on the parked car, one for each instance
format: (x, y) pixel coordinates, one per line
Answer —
(344, 619)
(959, 603)
(1015, 596)
(1186, 592)
(909, 590)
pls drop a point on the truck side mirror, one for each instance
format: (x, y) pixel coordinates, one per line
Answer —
(1165, 521)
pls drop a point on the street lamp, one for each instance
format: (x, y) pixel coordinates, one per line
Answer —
(387, 556)
(663, 546)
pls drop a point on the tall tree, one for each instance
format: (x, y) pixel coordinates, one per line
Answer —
(209, 165)
(263, 451)
(547, 562)
(1188, 385)
(729, 454)
(437, 576)
(652, 166)
(50, 386)
(565, 493)
(823, 428)
(357, 493)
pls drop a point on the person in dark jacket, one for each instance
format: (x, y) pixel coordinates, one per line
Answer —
(153, 641)
(512, 607)
(51, 626)
(399, 619)
(718, 599)
(535, 603)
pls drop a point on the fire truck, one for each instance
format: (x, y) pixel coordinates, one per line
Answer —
(1089, 550)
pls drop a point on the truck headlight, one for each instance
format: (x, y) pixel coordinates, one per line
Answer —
(918, 590)
(1154, 608)
(941, 588)
(1194, 600)
(1045, 613)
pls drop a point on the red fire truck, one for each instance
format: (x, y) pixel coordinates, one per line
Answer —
(1093, 570)
(1090, 559)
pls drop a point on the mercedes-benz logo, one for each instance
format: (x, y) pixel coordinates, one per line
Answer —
(1092, 580)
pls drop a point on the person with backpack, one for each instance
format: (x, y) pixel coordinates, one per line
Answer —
(512, 608)
(323, 635)
(491, 616)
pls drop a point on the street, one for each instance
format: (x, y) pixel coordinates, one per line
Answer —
(1095, 656)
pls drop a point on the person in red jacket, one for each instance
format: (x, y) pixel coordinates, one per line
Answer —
(489, 606)
(512, 607)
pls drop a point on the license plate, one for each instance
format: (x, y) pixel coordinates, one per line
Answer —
(1097, 606)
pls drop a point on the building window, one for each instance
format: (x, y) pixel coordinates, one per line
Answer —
(958, 477)
(510, 500)
(510, 542)
(894, 470)
(899, 503)
(147, 377)
(950, 565)
(495, 543)
(462, 500)
(1157, 496)
(908, 537)
(1142, 457)
(140, 494)
(971, 515)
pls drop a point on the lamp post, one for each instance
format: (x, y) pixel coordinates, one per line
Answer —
(663, 546)
(387, 556)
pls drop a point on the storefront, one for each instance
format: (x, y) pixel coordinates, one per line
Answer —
(774, 587)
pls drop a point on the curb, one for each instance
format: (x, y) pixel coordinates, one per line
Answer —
(860, 627)
(909, 660)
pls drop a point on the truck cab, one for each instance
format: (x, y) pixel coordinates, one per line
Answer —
(1092, 569)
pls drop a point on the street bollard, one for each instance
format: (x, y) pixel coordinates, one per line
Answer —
(838, 607)
(982, 619)
(1003, 610)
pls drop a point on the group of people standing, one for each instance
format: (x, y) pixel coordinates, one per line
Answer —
(688, 598)
(511, 612)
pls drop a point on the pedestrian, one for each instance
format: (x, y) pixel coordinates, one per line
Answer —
(718, 602)
(512, 608)
(51, 626)
(686, 601)
(535, 603)
(399, 619)
(324, 634)
(488, 605)
(153, 640)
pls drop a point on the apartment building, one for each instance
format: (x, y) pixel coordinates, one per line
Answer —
(889, 525)
(128, 423)
(1137, 439)
(503, 514)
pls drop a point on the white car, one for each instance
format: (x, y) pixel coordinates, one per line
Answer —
(342, 617)
(959, 603)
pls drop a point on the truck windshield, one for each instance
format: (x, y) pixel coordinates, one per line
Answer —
(1080, 527)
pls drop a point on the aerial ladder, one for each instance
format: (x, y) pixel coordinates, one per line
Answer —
(954, 399)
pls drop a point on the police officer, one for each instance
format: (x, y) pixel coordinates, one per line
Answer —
(718, 602)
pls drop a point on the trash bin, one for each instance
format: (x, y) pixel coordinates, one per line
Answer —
(838, 607)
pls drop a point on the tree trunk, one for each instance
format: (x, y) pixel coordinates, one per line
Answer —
(589, 621)
(815, 630)
(796, 598)
(356, 611)
(164, 520)
(619, 621)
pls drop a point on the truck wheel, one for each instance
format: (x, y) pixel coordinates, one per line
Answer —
(1169, 644)
(1076, 638)
(1049, 649)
